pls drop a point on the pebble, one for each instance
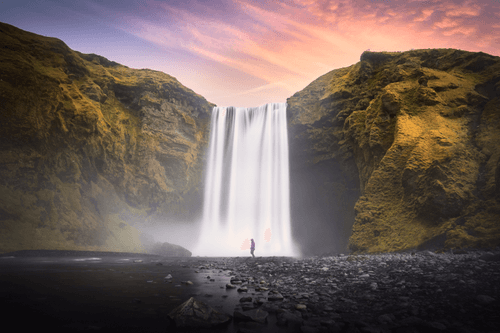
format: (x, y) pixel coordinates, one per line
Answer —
(300, 306)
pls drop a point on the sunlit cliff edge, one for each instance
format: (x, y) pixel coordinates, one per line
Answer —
(398, 151)
(413, 139)
(88, 146)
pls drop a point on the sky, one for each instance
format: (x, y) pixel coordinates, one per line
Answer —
(247, 53)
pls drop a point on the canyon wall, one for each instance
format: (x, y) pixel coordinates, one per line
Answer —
(413, 139)
(89, 147)
(398, 151)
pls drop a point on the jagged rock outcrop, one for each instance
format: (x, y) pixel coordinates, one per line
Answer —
(196, 314)
(169, 250)
(419, 130)
(89, 147)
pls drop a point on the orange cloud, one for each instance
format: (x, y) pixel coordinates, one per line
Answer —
(446, 23)
(467, 31)
(286, 45)
(473, 10)
(426, 13)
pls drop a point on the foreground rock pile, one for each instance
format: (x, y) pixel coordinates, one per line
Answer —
(413, 292)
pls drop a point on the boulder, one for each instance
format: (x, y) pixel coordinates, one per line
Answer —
(257, 315)
(196, 314)
(170, 250)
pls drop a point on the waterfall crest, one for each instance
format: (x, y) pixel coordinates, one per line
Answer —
(247, 192)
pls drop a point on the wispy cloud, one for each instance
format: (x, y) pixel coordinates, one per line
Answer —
(288, 44)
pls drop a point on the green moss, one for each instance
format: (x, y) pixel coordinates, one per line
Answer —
(71, 120)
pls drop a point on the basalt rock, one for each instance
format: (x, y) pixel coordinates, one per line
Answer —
(196, 314)
(405, 147)
(90, 150)
(170, 250)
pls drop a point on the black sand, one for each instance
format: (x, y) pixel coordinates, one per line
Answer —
(69, 291)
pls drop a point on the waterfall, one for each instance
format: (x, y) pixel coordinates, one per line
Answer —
(247, 193)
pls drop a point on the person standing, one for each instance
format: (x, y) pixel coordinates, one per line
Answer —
(252, 247)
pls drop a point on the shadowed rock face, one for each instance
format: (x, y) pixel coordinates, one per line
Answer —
(398, 151)
(413, 140)
(88, 147)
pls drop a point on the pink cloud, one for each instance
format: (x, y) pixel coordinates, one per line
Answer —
(426, 13)
(286, 45)
(446, 23)
(472, 10)
(467, 31)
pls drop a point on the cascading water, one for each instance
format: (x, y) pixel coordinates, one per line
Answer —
(247, 192)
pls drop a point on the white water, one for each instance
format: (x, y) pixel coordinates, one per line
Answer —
(247, 193)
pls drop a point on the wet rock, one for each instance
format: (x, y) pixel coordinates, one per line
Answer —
(230, 286)
(483, 299)
(285, 318)
(257, 315)
(301, 307)
(236, 281)
(196, 314)
(274, 296)
(170, 250)
(386, 318)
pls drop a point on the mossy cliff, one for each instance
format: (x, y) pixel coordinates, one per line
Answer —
(88, 147)
(418, 133)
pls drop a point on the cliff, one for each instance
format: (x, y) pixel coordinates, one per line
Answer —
(398, 151)
(417, 134)
(89, 147)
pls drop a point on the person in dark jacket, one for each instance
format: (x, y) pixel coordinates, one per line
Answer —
(252, 247)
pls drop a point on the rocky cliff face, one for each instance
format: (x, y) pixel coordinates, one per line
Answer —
(413, 139)
(88, 146)
(399, 151)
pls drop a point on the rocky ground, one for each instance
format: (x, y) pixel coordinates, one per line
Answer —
(413, 292)
(402, 293)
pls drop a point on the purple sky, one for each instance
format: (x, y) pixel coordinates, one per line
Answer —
(247, 53)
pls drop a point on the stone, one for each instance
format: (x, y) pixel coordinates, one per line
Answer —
(386, 318)
(285, 318)
(230, 286)
(257, 315)
(170, 250)
(196, 314)
(235, 281)
(275, 296)
(484, 299)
